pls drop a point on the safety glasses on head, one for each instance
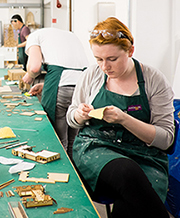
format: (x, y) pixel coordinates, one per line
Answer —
(13, 20)
(108, 34)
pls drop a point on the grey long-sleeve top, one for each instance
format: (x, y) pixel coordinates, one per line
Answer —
(159, 94)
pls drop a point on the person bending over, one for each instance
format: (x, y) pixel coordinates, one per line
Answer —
(64, 59)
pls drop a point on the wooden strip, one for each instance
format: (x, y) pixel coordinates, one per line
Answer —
(6, 183)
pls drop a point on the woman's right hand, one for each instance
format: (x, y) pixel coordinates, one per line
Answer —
(36, 89)
(81, 114)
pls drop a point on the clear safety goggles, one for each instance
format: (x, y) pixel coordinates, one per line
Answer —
(107, 34)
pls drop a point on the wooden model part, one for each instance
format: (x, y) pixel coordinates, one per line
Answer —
(12, 90)
(6, 132)
(6, 183)
(33, 196)
(40, 112)
(24, 178)
(9, 193)
(59, 177)
(62, 210)
(23, 85)
(43, 156)
(16, 74)
(10, 66)
(1, 194)
(52, 177)
(27, 113)
(17, 210)
(38, 118)
(97, 113)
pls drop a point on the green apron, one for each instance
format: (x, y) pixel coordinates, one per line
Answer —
(100, 142)
(22, 59)
(50, 89)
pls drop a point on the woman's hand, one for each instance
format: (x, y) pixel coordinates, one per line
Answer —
(113, 114)
(81, 114)
(144, 131)
(36, 89)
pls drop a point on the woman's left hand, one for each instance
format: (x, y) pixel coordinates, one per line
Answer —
(113, 114)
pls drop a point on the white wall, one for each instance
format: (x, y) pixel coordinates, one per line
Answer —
(154, 44)
(85, 18)
(154, 25)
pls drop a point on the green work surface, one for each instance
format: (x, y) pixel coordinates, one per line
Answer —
(41, 134)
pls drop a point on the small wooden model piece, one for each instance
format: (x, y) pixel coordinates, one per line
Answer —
(62, 210)
(43, 156)
(5, 184)
(97, 113)
(16, 74)
(1, 194)
(17, 210)
(52, 177)
(33, 196)
(23, 86)
(6, 132)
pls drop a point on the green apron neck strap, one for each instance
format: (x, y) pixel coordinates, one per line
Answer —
(138, 71)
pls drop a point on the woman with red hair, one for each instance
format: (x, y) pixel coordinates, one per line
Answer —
(122, 156)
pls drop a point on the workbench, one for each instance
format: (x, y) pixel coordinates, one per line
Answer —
(42, 135)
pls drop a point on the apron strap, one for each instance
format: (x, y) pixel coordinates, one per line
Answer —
(140, 77)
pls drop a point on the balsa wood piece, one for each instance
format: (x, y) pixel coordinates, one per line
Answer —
(6, 132)
(17, 211)
(38, 119)
(40, 112)
(59, 177)
(97, 113)
(27, 114)
(52, 178)
(62, 210)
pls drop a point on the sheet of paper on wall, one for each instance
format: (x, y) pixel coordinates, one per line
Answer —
(6, 132)
(97, 113)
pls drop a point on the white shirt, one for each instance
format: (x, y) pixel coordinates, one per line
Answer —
(61, 48)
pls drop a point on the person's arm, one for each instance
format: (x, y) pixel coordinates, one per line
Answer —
(86, 89)
(36, 89)
(33, 64)
(23, 44)
(144, 131)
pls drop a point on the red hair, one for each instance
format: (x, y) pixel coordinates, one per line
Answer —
(113, 24)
